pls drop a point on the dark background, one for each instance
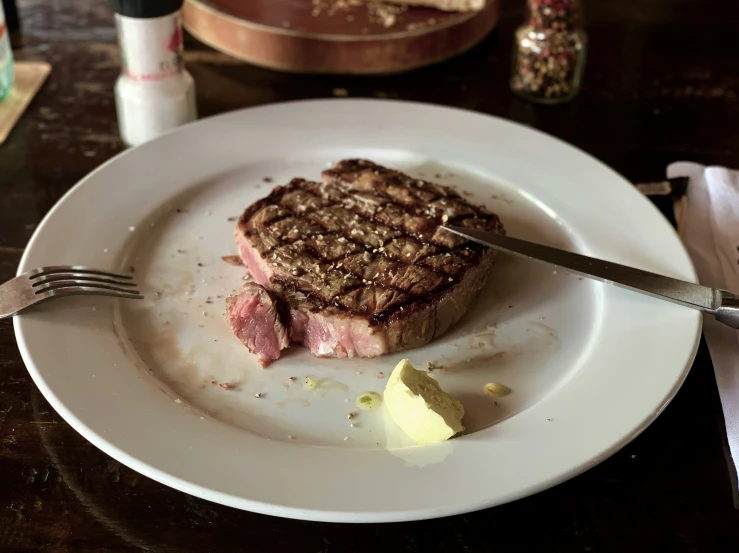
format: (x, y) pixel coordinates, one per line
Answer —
(661, 85)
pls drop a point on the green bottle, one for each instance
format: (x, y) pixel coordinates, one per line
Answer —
(6, 58)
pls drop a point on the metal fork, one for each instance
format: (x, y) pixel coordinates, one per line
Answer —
(46, 283)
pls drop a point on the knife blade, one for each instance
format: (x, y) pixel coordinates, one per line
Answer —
(719, 303)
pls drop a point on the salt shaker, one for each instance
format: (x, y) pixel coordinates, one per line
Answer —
(154, 92)
(549, 52)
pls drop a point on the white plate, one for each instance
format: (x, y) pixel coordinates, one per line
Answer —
(590, 365)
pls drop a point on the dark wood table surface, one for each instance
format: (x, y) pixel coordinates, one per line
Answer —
(661, 85)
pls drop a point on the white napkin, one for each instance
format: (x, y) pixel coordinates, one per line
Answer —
(711, 234)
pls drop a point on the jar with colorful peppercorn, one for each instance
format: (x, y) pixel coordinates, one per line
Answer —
(549, 52)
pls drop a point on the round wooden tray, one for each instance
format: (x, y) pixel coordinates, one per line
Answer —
(311, 36)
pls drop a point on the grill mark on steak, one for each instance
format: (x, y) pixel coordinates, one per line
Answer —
(328, 231)
(362, 281)
(413, 265)
(312, 202)
(342, 260)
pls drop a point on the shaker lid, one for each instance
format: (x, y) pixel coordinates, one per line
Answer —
(144, 9)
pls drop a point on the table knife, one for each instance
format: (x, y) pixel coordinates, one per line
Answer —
(723, 305)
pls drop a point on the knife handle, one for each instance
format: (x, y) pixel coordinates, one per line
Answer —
(728, 313)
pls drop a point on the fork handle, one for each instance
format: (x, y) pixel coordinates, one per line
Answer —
(8, 307)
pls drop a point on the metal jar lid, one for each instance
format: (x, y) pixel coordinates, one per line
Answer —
(144, 9)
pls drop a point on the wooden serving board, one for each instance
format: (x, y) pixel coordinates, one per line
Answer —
(335, 36)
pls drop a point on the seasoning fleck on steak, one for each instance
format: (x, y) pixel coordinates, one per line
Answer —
(358, 261)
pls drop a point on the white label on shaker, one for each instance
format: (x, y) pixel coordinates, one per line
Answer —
(151, 49)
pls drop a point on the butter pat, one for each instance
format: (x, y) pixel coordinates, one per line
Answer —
(416, 402)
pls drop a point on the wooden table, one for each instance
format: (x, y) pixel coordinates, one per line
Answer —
(661, 85)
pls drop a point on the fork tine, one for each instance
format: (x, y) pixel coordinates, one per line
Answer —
(80, 277)
(90, 291)
(43, 271)
(74, 284)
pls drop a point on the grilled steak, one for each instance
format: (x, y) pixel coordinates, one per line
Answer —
(253, 316)
(359, 261)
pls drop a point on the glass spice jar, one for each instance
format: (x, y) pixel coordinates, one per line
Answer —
(549, 52)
